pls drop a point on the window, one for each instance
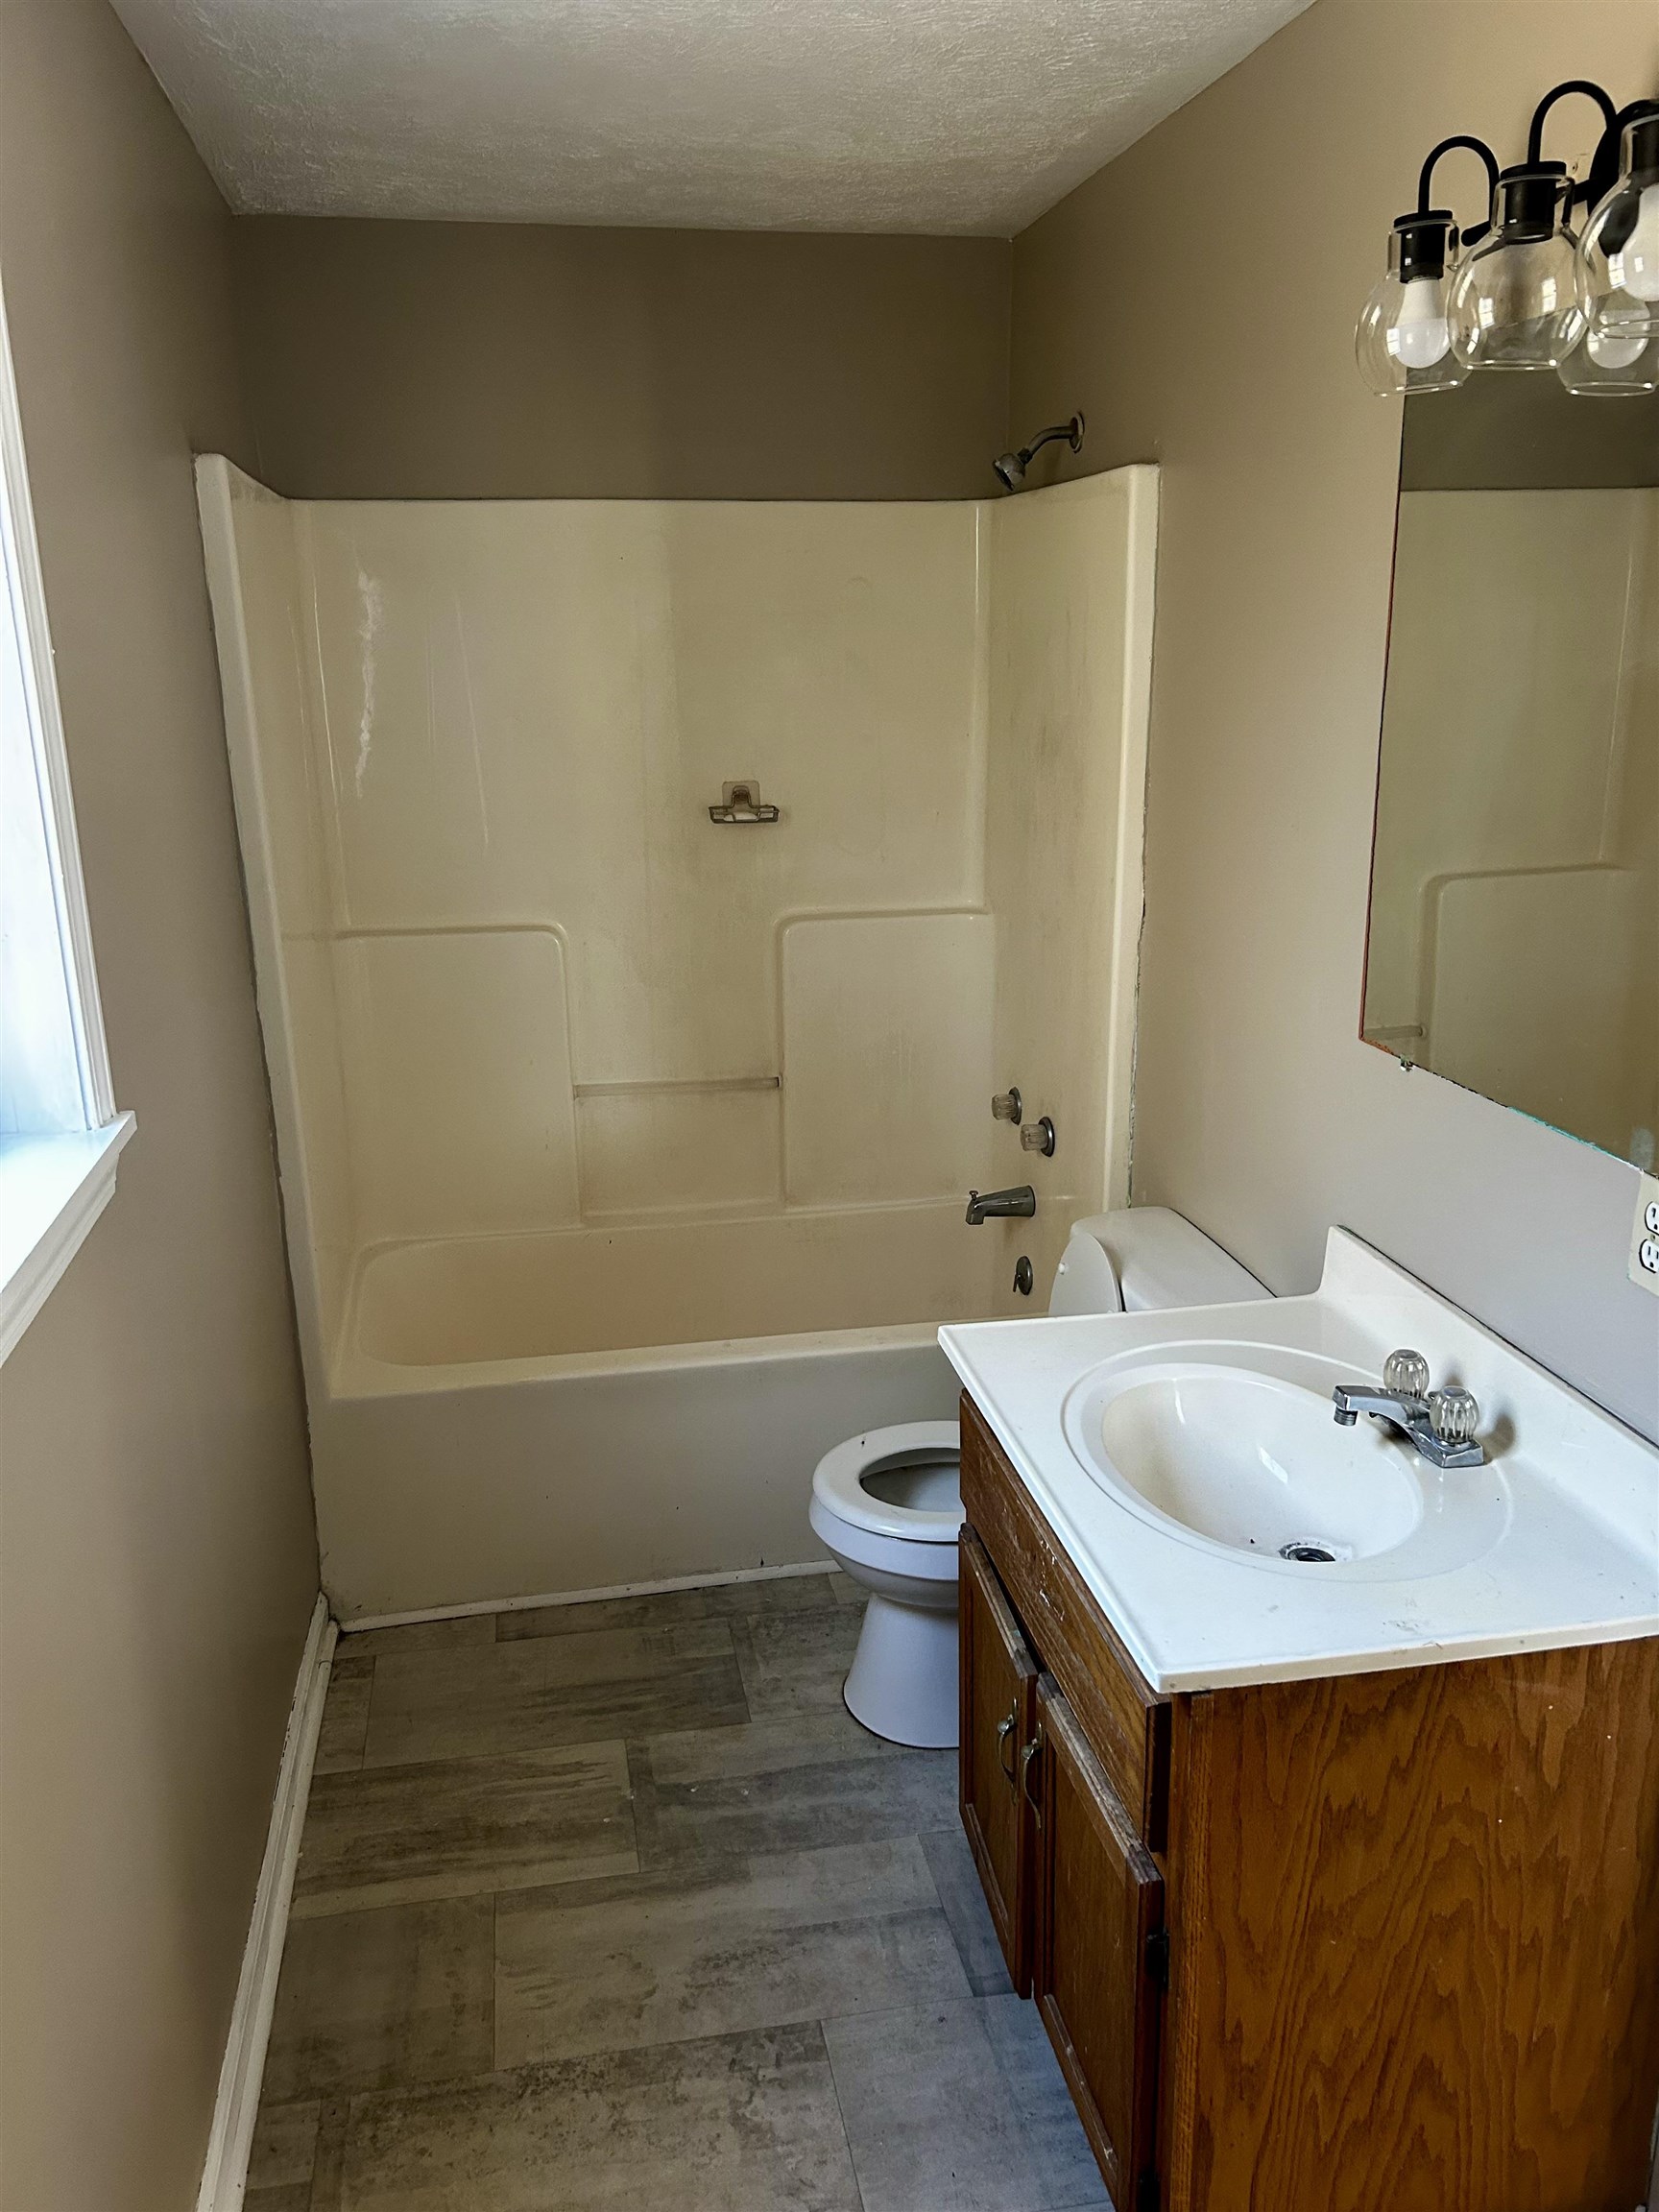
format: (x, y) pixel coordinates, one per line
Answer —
(60, 1134)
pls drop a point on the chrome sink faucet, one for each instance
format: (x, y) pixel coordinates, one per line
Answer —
(1439, 1424)
(982, 1205)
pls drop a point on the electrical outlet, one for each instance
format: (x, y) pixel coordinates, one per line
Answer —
(1644, 1235)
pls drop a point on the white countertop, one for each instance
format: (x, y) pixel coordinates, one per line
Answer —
(1577, 1561)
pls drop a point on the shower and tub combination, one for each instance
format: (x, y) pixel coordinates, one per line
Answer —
(648, 898)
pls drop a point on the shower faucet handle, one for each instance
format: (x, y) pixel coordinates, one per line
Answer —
(1038, 1137)
(1007, 1106)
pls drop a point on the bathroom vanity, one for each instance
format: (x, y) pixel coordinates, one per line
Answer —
(1337, 1885)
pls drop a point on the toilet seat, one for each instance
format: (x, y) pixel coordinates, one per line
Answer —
(839, 1483)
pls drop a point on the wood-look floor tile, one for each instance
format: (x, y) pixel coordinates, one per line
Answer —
(285, 2147)
(345, 1714)
(960, 1892)
(287, 2196)
(384, 1999)
(454, 1828)
(795, 1662)
(795, 1937)
(668, 1608)
(741, 2124)
(815, 1739)
(960, 2108)
(844, 1589)
(539, 1691)
(799, 1804)
(460, 1632)
(328, 2174)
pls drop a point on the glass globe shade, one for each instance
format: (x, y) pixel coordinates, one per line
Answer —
(1619, 355)
(1518, 301)
(1619, 274)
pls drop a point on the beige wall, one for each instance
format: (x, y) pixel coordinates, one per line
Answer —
(490, 361)
(157, 1549)
(1198, 297)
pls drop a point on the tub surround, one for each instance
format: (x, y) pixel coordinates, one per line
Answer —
(1573, 1556)
(623, 1152)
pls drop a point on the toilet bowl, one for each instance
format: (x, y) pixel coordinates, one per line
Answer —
(888, 1505)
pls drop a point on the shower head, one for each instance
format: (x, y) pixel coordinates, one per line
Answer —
(1011, 468)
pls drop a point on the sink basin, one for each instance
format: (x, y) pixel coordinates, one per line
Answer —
(1236, 1448)
(1177, 1455)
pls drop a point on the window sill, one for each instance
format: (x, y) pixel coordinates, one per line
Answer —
(52, 1190)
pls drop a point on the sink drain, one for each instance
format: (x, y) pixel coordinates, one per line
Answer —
(1308, 1554)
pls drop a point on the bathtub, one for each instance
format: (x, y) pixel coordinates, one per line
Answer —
(604, 1406)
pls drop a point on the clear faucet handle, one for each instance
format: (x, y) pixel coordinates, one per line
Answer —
(1009, 1106)
(1454, 1415)
(1407, 1372)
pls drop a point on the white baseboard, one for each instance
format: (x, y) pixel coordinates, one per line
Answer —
(585, 1597)
(225, 2176)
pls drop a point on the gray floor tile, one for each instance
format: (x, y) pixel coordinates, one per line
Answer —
(384, 1999)
(795, 1662)
(392, 1835)
(284, 2146)
(541, 1691)
(684, 1853)
(456, 1634)
(345, 1714)
(797, 1937)
(667, 1608)
(801, 1804)
(328, 2176)
(743, 2124)
(690, 1853)
(763, 1748)
(960, 2108)
(963, 1898)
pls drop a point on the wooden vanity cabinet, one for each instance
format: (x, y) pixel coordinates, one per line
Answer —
(998, 1690)
(1098, 1960)
(1384, 1942)
(1076, 1894)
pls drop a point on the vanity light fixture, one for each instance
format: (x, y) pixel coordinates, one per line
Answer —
(1520, 291)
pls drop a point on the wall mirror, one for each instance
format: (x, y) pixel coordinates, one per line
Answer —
(1514, 933)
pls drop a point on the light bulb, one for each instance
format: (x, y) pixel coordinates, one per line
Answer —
(1421, 334)
(1635, 267)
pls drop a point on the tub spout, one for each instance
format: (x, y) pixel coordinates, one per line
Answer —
(982, 1205)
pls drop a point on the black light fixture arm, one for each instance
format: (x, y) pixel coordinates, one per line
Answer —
(1476, 231)
(1604, 162)
(1540, 113)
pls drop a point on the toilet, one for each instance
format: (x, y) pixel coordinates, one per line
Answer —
(888, 1505)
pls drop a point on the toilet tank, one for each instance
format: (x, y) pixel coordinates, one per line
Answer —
(1143, 1261)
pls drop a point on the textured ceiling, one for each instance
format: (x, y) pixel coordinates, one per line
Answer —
(923, 116)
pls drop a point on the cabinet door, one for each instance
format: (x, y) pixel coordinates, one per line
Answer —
(1098, 1961)
(998, 1718)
